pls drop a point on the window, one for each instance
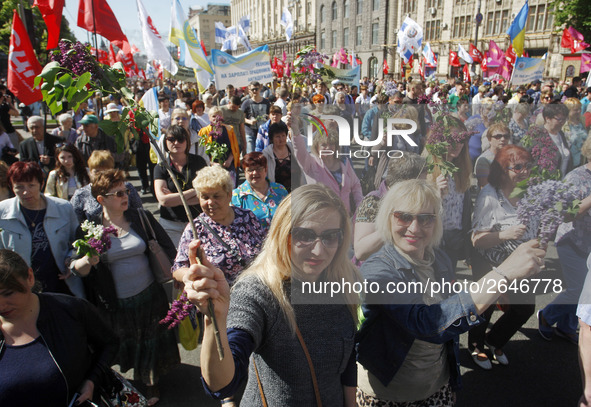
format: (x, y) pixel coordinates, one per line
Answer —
(409, 6)
(540, 17)
(359, 6)
(550, 18)
(373, 67)
(505, 21)
(531, 19)
(456, 27)
(345, 37)
(334, 10)
(489, 21)
(322, 13)
(375, 5)
(468, 27)
(346, 9)
(333, 42)
(359, 36)
(374, 33)
(432, 30)
(322, 40)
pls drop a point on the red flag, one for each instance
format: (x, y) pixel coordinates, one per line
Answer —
(103, 57)
(510, 55)
(142, 74)
(475, 54)
(126, 60)
(203, 47)
(573, 39)
(484, 64)
(467, 77)
(453, 58)
(112, 57)
(51, 11)
(411, 61)
(106, 22)
(23, 65)
(385, 68)
(134, 49)
(495, 54)
(421, 72)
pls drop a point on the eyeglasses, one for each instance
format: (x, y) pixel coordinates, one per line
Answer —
(250, 170)
(178, 140)
(547, 98)
(500, 136)
(118, 194)
(330, 238)
(423, 219)
(520, 167)
(254, 89)
(559, 118)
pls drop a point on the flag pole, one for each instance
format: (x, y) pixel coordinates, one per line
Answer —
(94, 30)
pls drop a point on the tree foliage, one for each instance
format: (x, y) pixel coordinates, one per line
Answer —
(576, 13)
(39, 28)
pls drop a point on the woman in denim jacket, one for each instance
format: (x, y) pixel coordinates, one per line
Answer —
(408, 343)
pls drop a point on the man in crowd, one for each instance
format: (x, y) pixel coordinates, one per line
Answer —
(234, 117)
(93, 138)
(256, 112)
(41, 146)
(263, 134)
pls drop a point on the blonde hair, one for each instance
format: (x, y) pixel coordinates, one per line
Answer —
(331, 138)
(215, 110)
(273, 265)
(179, 111)
(410, 196)
(101, 159)
(213, 178)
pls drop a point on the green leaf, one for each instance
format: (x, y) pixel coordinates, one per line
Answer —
(83, 80)
(65, 80)
(50, 70)
(37, 81)
(127, 93)
(109, 127)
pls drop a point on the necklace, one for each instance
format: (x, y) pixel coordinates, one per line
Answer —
(32, 221)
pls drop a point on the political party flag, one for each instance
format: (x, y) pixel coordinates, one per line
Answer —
(287, 23)
(112, 57)
(453, 58)
(484, 64)
(385, 68)
(466, 71)
(527, 70)
(421, 71)
(245, 23)
(510, 55)
(464, 55)
(429, 55)
(505, 69)
(182, 35)
(354, 62)
(585, 63)
(220, 32)
(476, 54)
(495, 55)
(51, 11)
(153, 43)
(23, 65)
(573, 39)
(99, 12)
(410, 38)
(517, 29)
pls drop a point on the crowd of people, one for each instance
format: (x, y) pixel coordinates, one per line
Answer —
(279, 200)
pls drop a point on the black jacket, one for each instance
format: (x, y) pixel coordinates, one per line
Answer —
(28, 150)
(71, 327)
(99, 284)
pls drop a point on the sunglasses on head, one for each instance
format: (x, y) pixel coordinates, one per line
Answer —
(118, 194)
(303, 237)
(500, 136)
(520, 167)
(423, 219)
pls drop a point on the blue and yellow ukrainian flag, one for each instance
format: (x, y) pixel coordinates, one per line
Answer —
(517, 29)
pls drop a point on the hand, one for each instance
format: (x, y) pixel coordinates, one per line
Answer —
(86, 392)
(442, 185)
(92, 260)
(527, 260)
(513, 233)
(204, 281)
(288, 120)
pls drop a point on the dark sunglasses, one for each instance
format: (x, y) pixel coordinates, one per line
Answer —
(500, 136)
(423, 219)
(520, 167)
(254, 89)
(330, 238)
(177, 139)
(118, 194)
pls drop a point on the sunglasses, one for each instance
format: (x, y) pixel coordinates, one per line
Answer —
(330, 238)
(254, 89)
(178, 140)
(423, 219)
(500, 136)
(118, 194)
(520, 167)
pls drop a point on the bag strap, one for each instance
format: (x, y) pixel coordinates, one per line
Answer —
(214, 233)
(144, 219)
(310, 365)
(256, 371)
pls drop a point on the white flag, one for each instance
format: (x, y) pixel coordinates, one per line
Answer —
(153, 43)
(245, 23)
(429, 55)
(220, 32)
(410, 38)
(287, 23)
(464, 55)
(182, 35)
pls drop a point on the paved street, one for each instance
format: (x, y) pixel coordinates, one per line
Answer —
(540, 373)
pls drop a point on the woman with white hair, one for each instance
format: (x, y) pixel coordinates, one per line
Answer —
(408, 348)
(65, 129)
(299, 352)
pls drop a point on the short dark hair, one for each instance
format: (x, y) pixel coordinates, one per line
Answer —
(236, 100)
(105, 180)
(24, 171)
(13, 269)
(255, 83)
(254, 159)
(277, 128)
(275, 109)
(553, 110)
(178, 132)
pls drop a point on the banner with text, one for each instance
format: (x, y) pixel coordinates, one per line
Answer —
(239, 71)
(527, 70)
(346, 76)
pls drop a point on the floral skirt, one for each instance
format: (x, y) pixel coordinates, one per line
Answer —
(145, 345)
(443, 397)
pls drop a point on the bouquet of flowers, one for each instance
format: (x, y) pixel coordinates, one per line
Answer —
(96, 241)
(548, 203)
(442, 134)
(214, 149)
(544, 152)
(309, 63)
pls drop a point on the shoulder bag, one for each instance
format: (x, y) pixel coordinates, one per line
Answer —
(231, 252)
(160, 264)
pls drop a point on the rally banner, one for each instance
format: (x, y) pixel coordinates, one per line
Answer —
(241, 70)
(346, 76)
(527, 70)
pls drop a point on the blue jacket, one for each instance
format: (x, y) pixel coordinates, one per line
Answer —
(394, 321)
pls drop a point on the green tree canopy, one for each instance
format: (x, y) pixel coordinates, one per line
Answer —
(576, 13)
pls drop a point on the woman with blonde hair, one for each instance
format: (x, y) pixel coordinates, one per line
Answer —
(308, 243)
(574, 130)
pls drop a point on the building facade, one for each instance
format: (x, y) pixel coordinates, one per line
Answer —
(203, 21)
